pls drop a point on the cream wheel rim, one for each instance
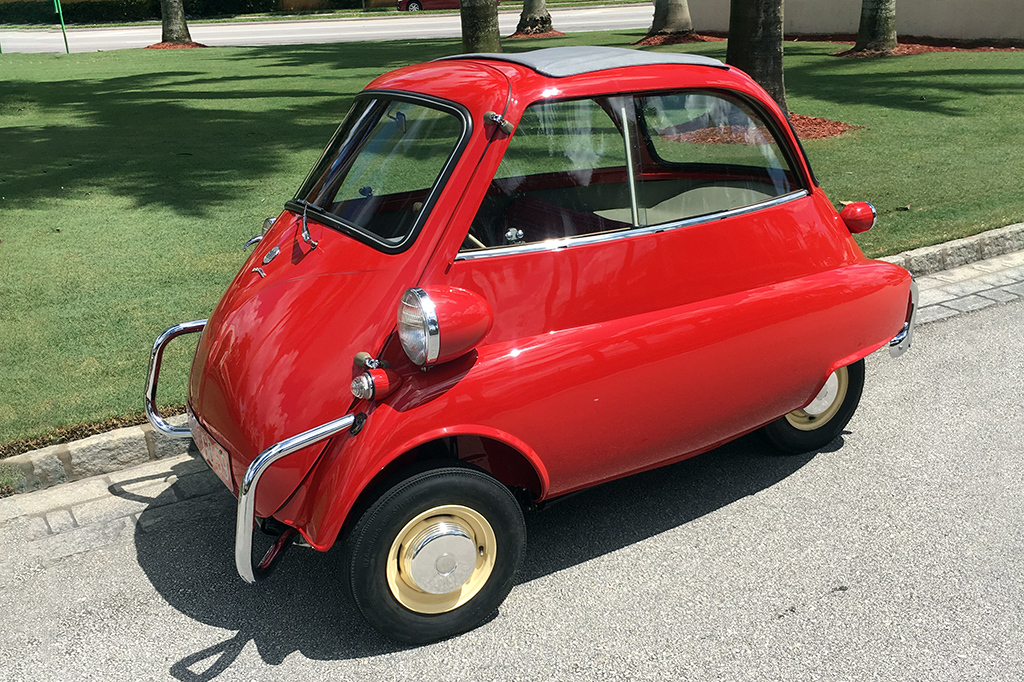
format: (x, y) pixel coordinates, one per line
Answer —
(441, 559)
(825, 405)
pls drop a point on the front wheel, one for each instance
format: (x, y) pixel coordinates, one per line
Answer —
(821, 421)
(436, 554)
(414, 6)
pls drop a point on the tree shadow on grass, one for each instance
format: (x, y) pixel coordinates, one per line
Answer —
(153, 139)
(901, 83)
(187, 139)
(186, 551)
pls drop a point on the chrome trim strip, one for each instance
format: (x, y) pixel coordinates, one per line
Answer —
(246, 509)
(567, 242)
(633, 205)
(155, 358)
(901, 342)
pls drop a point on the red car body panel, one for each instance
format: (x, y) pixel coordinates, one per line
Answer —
(601, 360)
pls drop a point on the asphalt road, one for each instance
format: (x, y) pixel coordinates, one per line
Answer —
(897, 554)
(415, 26)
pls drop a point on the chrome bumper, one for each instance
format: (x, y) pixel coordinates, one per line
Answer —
(246, 512)
(901, 342)
(246, 509)
(155, 358)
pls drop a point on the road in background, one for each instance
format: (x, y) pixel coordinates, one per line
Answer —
(412, 27)
(897, 553)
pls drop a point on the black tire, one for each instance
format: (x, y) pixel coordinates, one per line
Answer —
(452, 504)
(414, 6)
(800, 431)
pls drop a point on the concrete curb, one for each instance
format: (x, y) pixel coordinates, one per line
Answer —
(931, 259)
(95, 455)
(123, 448)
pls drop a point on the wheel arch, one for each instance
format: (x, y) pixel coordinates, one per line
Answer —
(508, 459)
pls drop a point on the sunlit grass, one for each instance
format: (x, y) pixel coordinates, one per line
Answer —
(130, 179)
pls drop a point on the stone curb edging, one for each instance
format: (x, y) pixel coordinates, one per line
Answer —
(122, 448)
(95, 455)
(982, 246)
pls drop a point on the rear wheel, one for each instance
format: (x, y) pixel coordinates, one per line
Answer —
(436, 554)
(821, 421)
(414, 6)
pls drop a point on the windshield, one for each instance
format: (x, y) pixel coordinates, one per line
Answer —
(380, 174)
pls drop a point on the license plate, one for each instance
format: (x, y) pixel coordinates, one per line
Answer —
(214, 454)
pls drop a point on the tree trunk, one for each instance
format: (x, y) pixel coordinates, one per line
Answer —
(877, 31)
(480, 26)
(175, 30)
(755, 44)
(535, 17)
(671, 16)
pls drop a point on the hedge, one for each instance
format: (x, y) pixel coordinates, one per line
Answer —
(104, 11)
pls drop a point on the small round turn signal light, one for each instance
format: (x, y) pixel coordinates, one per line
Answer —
(375, 384)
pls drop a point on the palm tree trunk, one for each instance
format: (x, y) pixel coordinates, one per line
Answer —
(480, 26)
(175, 30)
(755, 44)
(671, 16)
(535, 17)
(877, 32)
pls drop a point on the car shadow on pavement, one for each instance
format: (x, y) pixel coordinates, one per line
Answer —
(184, 542)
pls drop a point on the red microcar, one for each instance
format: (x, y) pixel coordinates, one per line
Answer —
(513, 276)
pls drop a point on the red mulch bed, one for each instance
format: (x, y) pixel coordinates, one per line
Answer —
(548, 34)
(811, 128)
(920, 48)
(914, 45)
(173, 46)
(676, 39)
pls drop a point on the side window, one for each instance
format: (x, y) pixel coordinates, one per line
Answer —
(573, 168)
(563, 175)
(709, 153)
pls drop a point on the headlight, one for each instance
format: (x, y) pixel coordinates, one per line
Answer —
(423, 314)
(418, 328)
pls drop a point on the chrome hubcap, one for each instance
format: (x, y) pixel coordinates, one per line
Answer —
(441, 558)
(825, 405)
(826, 396)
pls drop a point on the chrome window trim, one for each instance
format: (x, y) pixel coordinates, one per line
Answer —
(569, 242)
(634, 205)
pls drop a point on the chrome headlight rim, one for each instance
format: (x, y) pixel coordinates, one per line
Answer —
(419, 300)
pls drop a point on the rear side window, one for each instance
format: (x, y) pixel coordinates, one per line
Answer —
(576, 168)
(719, 155)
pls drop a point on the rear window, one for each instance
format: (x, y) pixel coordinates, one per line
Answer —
(382, 171)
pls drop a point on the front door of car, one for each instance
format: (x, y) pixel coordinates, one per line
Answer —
(639, 285)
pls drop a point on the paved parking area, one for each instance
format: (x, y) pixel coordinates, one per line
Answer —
(897, 553)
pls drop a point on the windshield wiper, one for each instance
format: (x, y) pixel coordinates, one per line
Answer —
(305, 228)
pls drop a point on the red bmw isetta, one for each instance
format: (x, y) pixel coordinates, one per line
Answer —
(513, 276)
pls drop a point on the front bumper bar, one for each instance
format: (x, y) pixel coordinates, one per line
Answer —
(246, 509)
(155, 358)
(246, 512)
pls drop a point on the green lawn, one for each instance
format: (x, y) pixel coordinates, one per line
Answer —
(130, 179)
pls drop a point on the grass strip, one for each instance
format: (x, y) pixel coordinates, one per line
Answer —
(130, 179)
